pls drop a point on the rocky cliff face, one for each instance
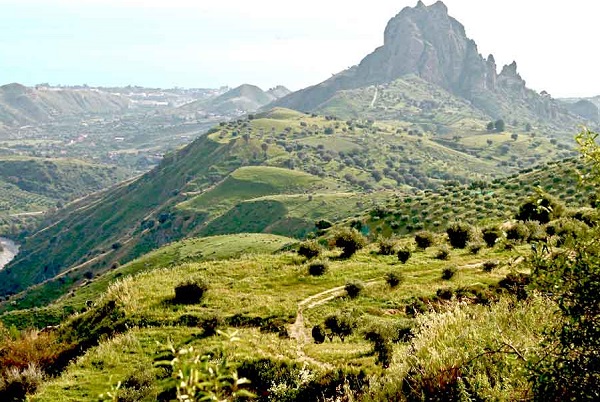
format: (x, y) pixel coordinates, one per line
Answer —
(426, 41)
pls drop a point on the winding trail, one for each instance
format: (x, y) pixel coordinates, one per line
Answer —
(298, 330)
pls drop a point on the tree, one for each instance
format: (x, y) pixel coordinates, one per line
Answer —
(349, 240)
(459, 234)
(424, 239)
(528, 127)
(571, 275)
(490, 126)
(499, 125)
(514, 136)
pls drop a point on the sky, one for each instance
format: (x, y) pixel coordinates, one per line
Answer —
(208, 44)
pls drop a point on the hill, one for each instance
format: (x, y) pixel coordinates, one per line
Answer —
(20, 105)
(426, 42)
(307, 162)
(243, 99)
(31, 186)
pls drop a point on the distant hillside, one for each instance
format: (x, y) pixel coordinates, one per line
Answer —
(243, 99)
(20, 105)
(426, 42)
(29, 186)
(588, 108)
(276, 172)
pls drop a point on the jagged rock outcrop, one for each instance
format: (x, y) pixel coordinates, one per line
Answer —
(427, 42)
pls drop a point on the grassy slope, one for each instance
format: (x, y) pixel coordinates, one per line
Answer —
(189, 250)
(492, 202)
(270, 286)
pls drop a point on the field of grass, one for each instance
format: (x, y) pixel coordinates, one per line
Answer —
(261, 295)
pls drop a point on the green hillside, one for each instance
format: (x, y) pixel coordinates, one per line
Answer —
(200, 190)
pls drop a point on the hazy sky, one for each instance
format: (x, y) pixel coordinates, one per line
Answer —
(206, 43)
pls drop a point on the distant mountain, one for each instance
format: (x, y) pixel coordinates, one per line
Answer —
(21, 105)
(243, 99)
(588, 108)
(426, 42)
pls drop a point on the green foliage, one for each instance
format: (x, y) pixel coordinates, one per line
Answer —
(190, 291)
(448, 273)
(341, 326)
(353, 289)
(518, 231)
(489, 266)
(475, 247)
(317, 268)
(349, 240)
(499, 125)
(309, 249)
(382, 347)
(459, 234)
(542, 208)
(387, 246)
(443, 253)
(318, 334)
(424, 239)
(404, 255)
(393, 279)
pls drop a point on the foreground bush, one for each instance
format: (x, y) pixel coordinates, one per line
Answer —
(353, 289)
(404, 255)
(309, 249)
(468, 354)
(491, 235)
(393, 279)
(459, 234)
(317, 268)
(349, 240)
(190, 291)
(387, 246)
(424, 239)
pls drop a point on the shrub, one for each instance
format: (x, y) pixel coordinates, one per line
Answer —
(387, 246)
(190, 291)
(317, 268)
(393, 279)
(475, 247)
(382, 347)
(318, 334)
(566, 228)
(448, 273)
(16, 383)
(518, 231)
(424, 239)
(323, 224)
(543, 209)
(445, 293)
(443, 253)
(404, 255)
(349, 240)
(459, 234)
(309, 249)
(489, 266)
(353, 289)
(340, 326)
(210, 324)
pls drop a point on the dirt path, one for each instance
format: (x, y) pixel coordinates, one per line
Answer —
(375, 97)
(298, 330)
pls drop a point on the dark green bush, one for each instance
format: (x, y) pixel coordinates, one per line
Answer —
(448, 273)
(518, 231)
(349, 240)
(309, 249)
(387, 246)
(542, 208)
(190, 291)
(443, 253)
(393, 279)
(424, 239)
(445, 293)
(404, 255)
(318, 334)
(353, 289)
(317, 268)
(339, 325)
(459, 234)
(475, 247)
(489, 266)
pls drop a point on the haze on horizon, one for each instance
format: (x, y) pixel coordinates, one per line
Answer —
(194, 44)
